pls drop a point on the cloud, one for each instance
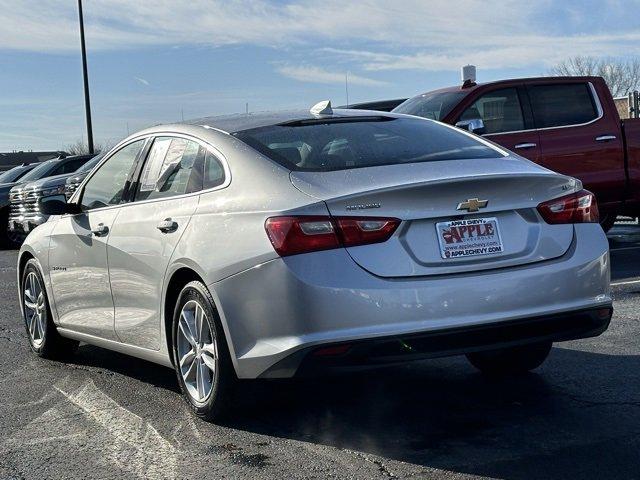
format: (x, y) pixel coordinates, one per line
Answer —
(142, 81)
(311, 74)
(373, 35)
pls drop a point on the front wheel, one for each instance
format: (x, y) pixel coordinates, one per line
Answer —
(202, 361)
(511, 360)
(44, 338)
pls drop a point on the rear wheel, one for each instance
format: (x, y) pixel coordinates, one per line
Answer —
(202, 361)
(44, 338)
(511, 360)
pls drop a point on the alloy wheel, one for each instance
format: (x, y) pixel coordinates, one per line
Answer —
(197, 351)
(35, 310)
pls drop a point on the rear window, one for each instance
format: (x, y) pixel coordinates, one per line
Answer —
(357, 142)
(564, 104)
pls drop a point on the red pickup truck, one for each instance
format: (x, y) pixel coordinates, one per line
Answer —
(567, 124)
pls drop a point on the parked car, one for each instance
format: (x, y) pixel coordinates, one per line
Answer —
(7, 180)
(567, 124)
(11, 236)
(282, 244)
(25, 210)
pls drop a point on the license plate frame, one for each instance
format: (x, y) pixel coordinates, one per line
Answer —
(467, 238)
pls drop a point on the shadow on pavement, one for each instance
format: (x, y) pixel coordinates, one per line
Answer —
(577, 416)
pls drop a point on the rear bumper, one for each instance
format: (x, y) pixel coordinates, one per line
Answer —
(442, 343)
(288, 306)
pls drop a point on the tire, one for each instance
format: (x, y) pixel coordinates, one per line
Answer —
(607, 221)
(512, 360)
(206, 377)
(44, 339)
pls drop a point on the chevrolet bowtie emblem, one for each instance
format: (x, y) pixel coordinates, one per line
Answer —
(472, 205)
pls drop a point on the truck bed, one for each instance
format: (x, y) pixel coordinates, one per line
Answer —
(631, 131)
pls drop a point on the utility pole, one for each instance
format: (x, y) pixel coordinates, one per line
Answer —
(346, 86)
(87, 104)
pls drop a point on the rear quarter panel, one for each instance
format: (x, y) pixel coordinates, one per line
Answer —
(226, 234)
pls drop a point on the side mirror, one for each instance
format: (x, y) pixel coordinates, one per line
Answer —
(475, 125)
(57, 205)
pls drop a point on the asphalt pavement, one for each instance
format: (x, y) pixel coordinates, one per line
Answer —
(105, 415)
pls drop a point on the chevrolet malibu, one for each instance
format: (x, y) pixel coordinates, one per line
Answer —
(283, 244)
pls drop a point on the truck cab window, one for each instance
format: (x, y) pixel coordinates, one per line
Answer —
(500, 110)
(562, 104)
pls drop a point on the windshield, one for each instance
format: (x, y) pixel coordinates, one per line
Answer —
(357, 142)
(431, 105)
(14, 174)
(38, 172)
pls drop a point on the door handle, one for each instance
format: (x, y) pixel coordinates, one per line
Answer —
(605, 138)
(101, 230)
(167, 226)
(524, 146)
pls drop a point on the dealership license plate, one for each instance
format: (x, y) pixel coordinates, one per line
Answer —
(469, 238)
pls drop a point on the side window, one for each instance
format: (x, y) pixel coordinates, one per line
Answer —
(500, 111)
(213, 171)
(107, 185)
(558, 105)
(172, 168)
(69, 167)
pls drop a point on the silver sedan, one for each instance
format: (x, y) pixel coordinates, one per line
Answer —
(284, 244)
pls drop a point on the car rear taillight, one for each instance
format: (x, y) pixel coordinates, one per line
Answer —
(579, 207)
(293, 235)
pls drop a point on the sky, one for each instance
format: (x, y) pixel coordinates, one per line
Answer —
(158, 61)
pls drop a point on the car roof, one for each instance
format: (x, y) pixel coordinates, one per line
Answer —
(240, 122)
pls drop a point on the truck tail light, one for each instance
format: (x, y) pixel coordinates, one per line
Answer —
(302, 234)
(579, 207)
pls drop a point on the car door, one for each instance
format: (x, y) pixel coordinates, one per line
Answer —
(146, 233)
(578, 138)
(507, 120)
(78, 251)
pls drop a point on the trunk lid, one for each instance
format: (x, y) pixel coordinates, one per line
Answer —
(424, 195)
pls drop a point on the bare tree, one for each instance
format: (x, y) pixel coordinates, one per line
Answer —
(622, 76)
(81, 148)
